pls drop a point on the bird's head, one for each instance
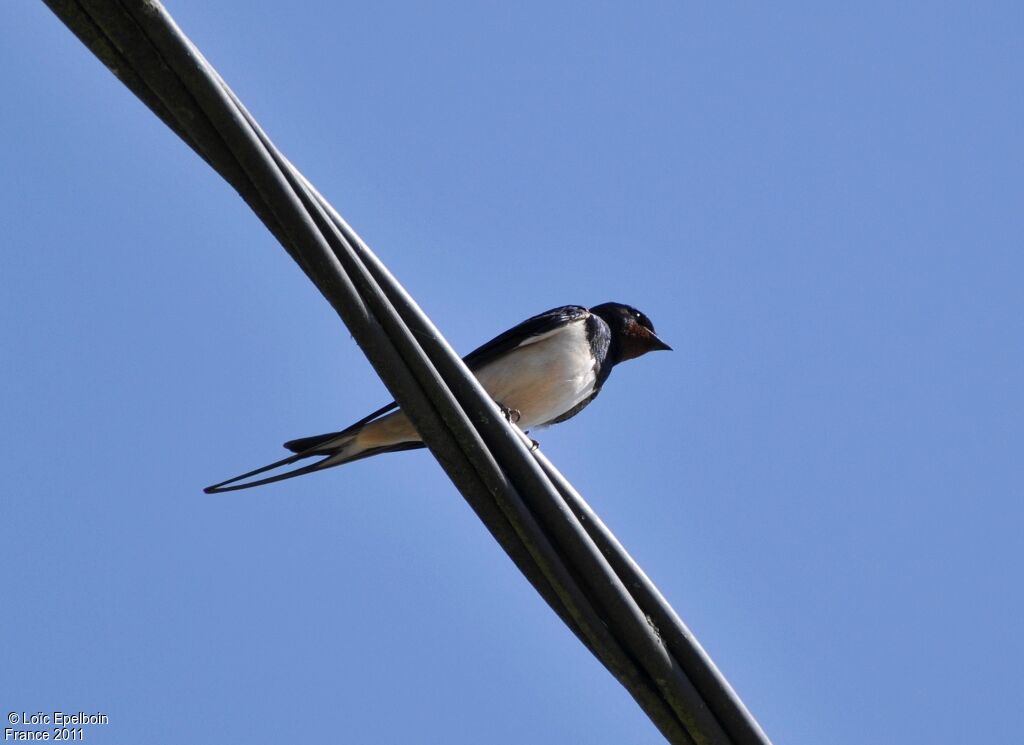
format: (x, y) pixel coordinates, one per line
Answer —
(632, 332)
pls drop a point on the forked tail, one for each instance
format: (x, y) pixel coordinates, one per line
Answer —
(233, 485)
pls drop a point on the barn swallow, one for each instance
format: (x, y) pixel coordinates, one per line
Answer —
(543, 371)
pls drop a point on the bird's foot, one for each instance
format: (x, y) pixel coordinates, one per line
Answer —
(535, 445)
(511, 415)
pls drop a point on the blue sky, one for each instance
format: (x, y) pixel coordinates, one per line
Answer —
(820, 207)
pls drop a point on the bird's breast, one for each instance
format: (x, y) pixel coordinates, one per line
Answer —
(545, 376)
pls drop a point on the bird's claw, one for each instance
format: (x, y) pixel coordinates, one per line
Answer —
(512, 416)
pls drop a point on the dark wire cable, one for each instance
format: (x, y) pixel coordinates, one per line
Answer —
(544, 526)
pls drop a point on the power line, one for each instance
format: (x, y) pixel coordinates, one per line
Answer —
(551, 534)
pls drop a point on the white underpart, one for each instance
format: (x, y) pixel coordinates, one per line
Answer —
(541, 379)
(544, 378)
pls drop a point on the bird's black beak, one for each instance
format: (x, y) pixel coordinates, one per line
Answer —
(657, 344)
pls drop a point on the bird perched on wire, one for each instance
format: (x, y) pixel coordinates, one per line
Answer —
(543, 371)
